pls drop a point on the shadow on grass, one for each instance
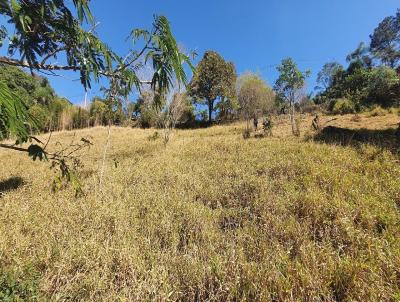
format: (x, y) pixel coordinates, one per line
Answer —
(10, 184)
(387, 139)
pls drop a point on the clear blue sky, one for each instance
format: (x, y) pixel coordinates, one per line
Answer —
(254, 34)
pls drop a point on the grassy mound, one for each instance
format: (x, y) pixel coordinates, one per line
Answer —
(209, 217)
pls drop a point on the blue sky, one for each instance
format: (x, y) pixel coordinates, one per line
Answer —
(255, 34)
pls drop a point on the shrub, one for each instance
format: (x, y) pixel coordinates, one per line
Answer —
(246, 133)
(13, 289)
(41, 115)
(393, 110)
(343, 106)
(377, 111)
(149, 117)
(154, 136)
(356, 118)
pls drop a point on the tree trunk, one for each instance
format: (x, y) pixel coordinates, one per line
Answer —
(292, 121)
(210, 110)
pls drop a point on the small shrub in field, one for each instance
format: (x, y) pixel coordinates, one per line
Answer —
(356, 118)
(12, 289)
(154, 137)
(393, 110)
(377, 111)
(343, 106)
(246, 133)
(310, 108)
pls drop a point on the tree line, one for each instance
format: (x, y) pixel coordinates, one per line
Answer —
(370, 79)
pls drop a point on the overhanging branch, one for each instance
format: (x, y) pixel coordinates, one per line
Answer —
(51, 67)
(11, 147)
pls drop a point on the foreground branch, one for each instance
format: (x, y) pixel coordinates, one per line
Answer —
(12, 147)
(52, 67)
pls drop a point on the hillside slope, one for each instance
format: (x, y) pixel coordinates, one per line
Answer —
(211, 216)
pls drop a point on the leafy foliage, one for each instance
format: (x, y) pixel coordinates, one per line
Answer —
(327, 75)
(385, 41)
(290, 82)
(289, 87)
(214, 78)
(14, 115)
(254, 95)
(371, 78)
(343, 106)
(13, 289)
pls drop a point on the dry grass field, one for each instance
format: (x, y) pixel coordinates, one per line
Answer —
(209, 217)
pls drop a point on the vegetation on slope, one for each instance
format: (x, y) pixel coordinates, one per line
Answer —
(208, 217)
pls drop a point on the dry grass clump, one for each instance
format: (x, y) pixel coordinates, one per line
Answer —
(377, 111)
(209, 217)
(356, 118)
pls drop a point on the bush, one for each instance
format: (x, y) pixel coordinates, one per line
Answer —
(14, 289)
(356, 118)
(310, 108)
(343, 106)
(41, 115)
(393, 110)
(377, 111)
(246, 133)
(150, 117)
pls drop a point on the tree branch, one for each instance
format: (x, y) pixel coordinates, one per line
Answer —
(52, 54)
(51, 67)
(11, 147)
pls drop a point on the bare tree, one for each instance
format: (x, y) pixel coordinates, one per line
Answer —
(175, 107)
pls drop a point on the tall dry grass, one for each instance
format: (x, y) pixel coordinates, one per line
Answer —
(209, 217)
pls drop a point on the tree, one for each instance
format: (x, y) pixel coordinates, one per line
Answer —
(385, 41)
(227, 108)
(254, 95)
(32, 89)
(214, 78)
(383, 87)
(48, 31)
(326, 76)
(289, 86)
(56, 109)
(360, 57)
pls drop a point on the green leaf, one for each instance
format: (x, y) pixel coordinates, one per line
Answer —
(35, 151)
(14, 115)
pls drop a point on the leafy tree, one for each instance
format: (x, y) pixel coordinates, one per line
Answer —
(214, 78)
(98, 112)
(385, 41)
(383, 87)
(148, 108)
(41, 115)
(56, 109)
(254, 95)
(327, 75)
(364, 87)
(31, 89)
(227, 107)
(360, 58)
(289, 86)
(80, 117)
(364, 83)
